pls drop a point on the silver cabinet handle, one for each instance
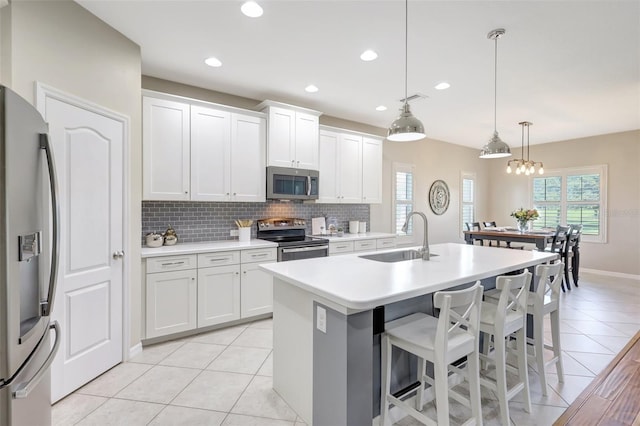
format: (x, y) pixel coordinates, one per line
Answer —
(301, 249)
(218, 259)
(24, 389)
(260, 255)
(46, 305)
(173, 263)
(118, 254)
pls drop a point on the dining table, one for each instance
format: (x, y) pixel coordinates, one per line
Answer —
(541, 238)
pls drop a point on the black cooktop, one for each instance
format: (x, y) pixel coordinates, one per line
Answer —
(286, 232)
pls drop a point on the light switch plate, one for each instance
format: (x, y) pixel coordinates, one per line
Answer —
(233, 233)
(321, 320)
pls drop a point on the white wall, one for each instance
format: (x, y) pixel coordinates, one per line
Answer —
(621, 152)
(62, 45)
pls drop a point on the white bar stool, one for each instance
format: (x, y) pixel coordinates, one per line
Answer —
(443, 340)
(501, 320)
(545, 300)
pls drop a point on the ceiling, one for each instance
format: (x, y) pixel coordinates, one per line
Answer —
(570, 67)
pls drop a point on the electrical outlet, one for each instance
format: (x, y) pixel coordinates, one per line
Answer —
(233, 232)
(321, 321)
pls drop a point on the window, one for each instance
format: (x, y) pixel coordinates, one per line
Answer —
(468, 195)
(573, 196)
(403, 197)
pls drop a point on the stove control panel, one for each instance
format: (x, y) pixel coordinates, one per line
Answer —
(281, 223)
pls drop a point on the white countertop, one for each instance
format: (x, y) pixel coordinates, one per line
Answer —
(357, 284)
(205, 247)
(357, 237)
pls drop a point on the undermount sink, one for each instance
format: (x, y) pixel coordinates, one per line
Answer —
(395, 256)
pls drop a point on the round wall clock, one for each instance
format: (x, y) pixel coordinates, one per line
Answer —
(439, 197)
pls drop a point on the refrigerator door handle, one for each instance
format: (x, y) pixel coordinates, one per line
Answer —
(23, 389)
(47, 305)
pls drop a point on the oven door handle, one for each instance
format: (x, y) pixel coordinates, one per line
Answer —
(301, 249)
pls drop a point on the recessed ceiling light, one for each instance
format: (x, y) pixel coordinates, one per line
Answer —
(251, 9)
(368, 55)
(213, 62)
(311, 88)
(442, 86)
(381, 108)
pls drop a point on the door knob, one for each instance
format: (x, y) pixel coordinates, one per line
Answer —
(118, 254)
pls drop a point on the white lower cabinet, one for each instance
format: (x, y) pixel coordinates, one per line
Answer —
(256, 291)
(171, 302)
(360, 246)
(194, 291)
(218, 295)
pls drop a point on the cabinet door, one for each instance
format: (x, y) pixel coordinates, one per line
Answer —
(371, 170)
(165, 141)
(281, 140)
(328, 191)
(210, 154)
(306, 147)
(350, 168)
(248, 172)
(257, 291)
(171, 302)
(218, 295)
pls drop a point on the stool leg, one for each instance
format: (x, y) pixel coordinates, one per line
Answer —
(555, 340)
(501, 377)
(538, 344)
(566, 274)
(486, 340)
(385, 361)
(473, 363)
(440, 372)
(523, 372)
(421, 372)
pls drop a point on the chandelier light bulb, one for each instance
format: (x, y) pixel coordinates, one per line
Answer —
(541, 171)
(509, 168)
(518, 171)
(532, 170)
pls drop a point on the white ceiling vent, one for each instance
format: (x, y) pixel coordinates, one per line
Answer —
(416, 97)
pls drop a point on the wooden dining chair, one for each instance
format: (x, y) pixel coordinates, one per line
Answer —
(474, 226)
(571, 256)
(559, 245)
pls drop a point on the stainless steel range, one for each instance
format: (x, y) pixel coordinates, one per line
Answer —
(293, 242)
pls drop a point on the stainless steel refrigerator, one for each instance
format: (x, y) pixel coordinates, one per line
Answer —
(29, 242)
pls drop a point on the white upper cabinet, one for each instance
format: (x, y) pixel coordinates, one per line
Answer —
(165, 138)
(292, 139)
(350, 167)
(225, 150)
(371, 170)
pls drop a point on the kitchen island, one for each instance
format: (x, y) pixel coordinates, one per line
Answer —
(328, 313)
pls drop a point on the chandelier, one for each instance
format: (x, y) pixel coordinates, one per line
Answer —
(522, 166)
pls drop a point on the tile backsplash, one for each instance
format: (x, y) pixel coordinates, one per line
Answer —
(196, 221)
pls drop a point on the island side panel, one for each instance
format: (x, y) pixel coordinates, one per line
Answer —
(342, 367)
(293, 347)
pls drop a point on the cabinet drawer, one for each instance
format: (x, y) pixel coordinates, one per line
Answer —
(259, 255)
(384, 243)
(365, 245)
(221, 258)
(171, 263)
(341, 247)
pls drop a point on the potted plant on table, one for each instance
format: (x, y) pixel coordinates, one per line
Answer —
(524, 216)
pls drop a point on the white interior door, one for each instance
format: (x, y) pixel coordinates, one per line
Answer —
(88, 147)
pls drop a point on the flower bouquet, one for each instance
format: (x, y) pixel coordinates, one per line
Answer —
(523, 217)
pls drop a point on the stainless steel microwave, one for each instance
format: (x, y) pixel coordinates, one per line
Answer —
(284, 183)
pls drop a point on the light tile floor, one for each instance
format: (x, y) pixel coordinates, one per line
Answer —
(224, 377)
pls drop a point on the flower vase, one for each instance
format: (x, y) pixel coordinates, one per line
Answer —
(522, 226)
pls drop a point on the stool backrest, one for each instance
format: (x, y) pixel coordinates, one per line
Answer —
(514, 290)
(472, 226)
(459, 313)
(549, 278)
(573, 237)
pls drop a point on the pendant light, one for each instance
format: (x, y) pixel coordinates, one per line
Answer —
(495, 148)
(406, 127)
(522, 166)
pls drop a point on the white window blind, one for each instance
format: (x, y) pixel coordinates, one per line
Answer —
(570, 197)
(467, 202)
(403, 196)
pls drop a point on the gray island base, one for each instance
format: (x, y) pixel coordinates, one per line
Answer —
(326, 343)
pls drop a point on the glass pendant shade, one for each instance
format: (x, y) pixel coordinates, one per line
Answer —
(495, 148)
(406, 127)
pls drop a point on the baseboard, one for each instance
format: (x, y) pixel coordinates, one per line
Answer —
(611, 274)
(135, 350)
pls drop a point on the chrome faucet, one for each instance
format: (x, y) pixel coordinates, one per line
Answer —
(425, 242)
